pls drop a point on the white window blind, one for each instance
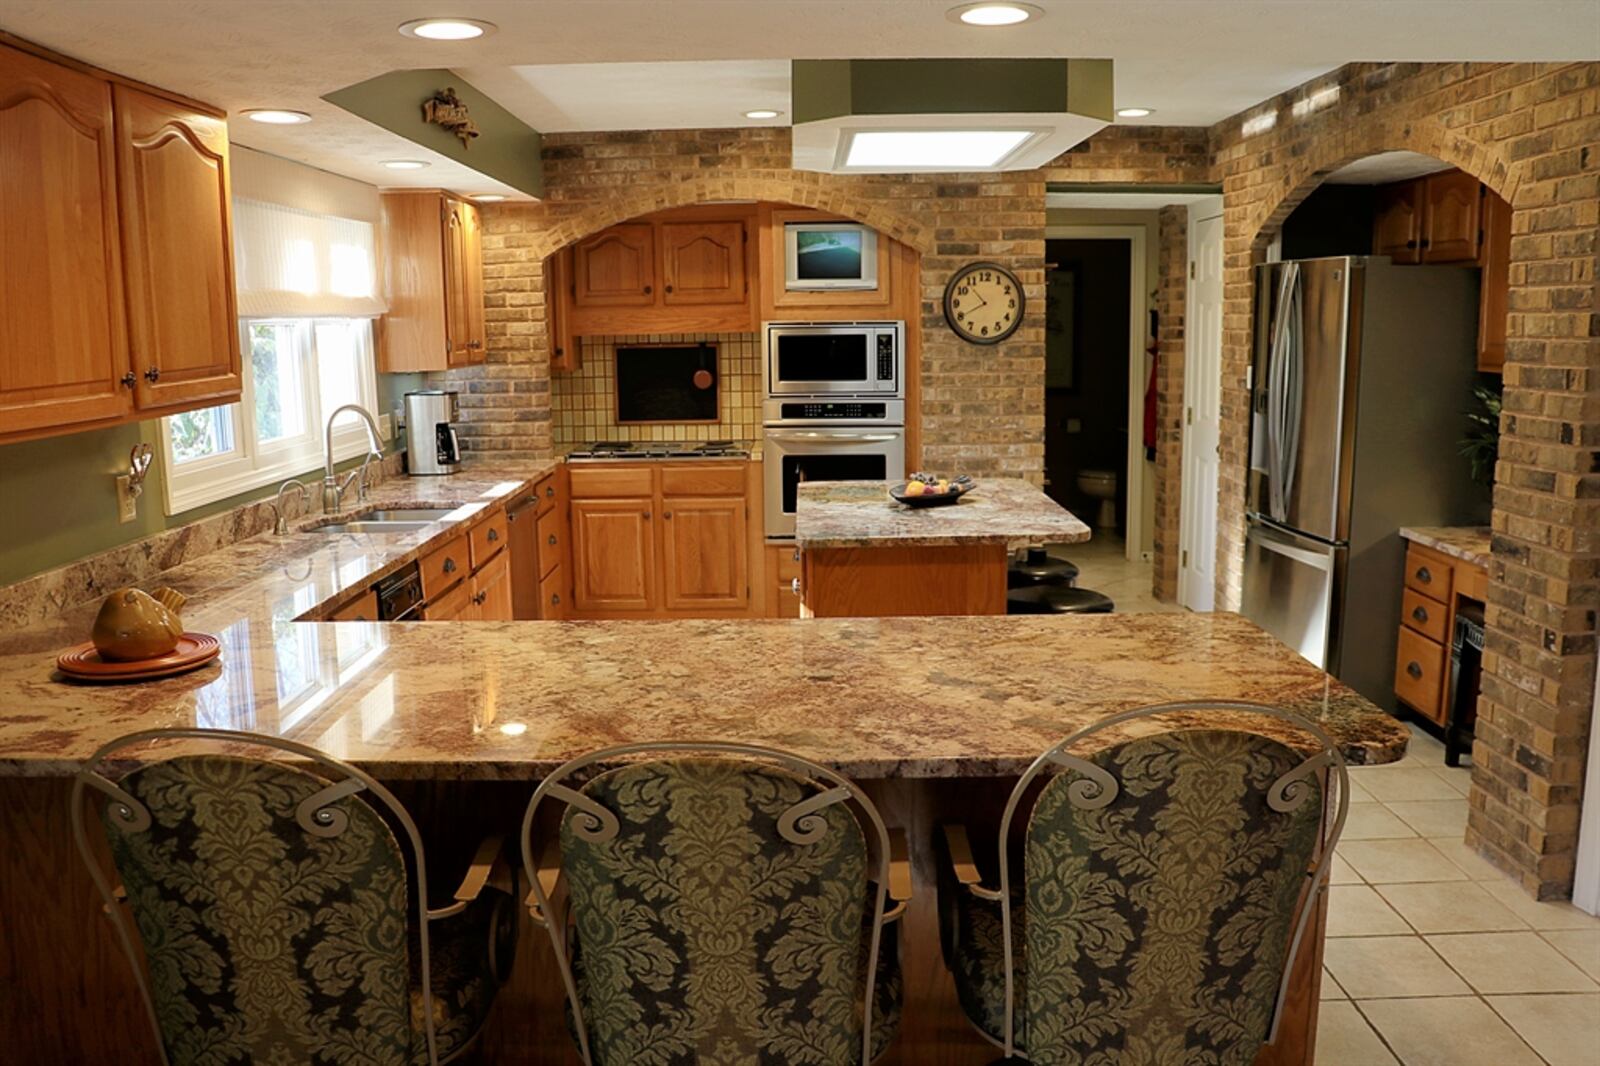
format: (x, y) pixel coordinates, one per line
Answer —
(298, 264)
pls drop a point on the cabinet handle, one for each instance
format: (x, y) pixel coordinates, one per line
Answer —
(794, 585)
(1426, 241)
(668, 514)
(1424, 575)
(494, 535)
(1411, 244)
(550, 491)
(560, 351)
(1420, 614)
(669, 288)
(449, 566)
(129, 380)
(648, 290)
(153, 374)
(552, 540)
(555, 597)
(1414, 670)
(646, 514)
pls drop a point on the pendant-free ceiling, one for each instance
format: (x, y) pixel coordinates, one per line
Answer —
(906, 116)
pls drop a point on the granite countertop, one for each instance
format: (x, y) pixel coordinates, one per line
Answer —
(1467, 543)
(861, 514)
(891, 697)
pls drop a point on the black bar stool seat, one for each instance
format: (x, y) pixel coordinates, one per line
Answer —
(1039, 567)
(1057, 599)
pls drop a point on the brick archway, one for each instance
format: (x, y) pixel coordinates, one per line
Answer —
(800, 190)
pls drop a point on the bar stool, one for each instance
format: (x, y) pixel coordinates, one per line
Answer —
(1057, 599)
(1039, 567)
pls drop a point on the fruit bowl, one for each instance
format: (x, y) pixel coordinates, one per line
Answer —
(930, 494)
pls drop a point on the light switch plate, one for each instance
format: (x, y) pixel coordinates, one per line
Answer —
(127, 502)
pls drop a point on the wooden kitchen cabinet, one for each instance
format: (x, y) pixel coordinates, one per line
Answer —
(1435, 585)
(703, 263)
(704, 566)
(433, 280)
(1450, 217)
(537, 525)
(116, 289)
(364, 608)
(1397, 222)
(491, 591)
(613, 555)
(783, 570)
(1494, 293)
(564, 352)
(616, 267)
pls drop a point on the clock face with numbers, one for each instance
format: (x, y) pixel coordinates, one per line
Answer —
(983, 303)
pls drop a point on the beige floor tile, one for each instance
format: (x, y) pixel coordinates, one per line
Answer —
(1357, 793)
(1564, 1030)
(1510, 963)
(1455, 1031)
(1582, 946)
(1451, 907)
(1380, 967)
(1394, 861)
(1457, 777)
(1343, 873)
(1330, 988)
(1345, 1039)
(1401, 783)
(1433, 818)
(1374, 821)
(1465, 856)
(1553, 915)
(1356, 910)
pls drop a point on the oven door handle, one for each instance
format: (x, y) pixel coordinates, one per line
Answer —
(843, 438)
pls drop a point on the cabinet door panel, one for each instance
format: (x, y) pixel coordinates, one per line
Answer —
(1495, 294)
(457, 285)
(492, 590)
(616, 268)
(558, 324)
(703, 263)
(703, 554)
(63, 338)
(1397, 222)
(177, 246)
(1450, 218)
(613, 555)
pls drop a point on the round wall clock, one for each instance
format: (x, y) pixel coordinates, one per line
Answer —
(983, 303)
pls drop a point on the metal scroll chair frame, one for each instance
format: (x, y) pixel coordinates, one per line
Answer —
(798, 825)
(1099, 788)
(315, 814)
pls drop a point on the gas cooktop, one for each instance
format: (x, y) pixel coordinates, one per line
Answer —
(662, 449)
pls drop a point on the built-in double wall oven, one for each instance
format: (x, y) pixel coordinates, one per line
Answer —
(835, 408)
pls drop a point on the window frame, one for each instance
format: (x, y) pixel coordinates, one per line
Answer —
(252, 463)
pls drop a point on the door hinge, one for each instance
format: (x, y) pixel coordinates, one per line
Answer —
(1188, 416)
(1191, 270)
(1183, 557)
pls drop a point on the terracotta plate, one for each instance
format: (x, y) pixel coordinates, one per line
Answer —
(83, 662)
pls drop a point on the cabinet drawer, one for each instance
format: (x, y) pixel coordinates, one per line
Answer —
(1423, 614)
(1429, 574)
(788, 563)
(364, 608)
(444, 566)
(709, 480)
(610, 481)
(552, 598)
(1419, 672)
(452, 606)
(487, 537)
(548, 490)
(1472, 582)
(550, 533)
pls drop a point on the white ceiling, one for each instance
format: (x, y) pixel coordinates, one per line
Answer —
(1385, 167)
(1194, 61)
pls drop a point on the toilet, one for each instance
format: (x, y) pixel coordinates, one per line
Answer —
(1101, 485)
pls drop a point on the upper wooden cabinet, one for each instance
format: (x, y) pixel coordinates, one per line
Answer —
(1397, 222)
(433, 278)
(616, 267)
(1495, 291)
(116, 288)
(564, 353)
(1432, 219)
(178, 250)
(63, 338)
(703, 263)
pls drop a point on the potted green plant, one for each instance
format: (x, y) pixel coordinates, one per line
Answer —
(1481, 445)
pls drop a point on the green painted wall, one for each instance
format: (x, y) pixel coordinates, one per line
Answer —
(58, 496)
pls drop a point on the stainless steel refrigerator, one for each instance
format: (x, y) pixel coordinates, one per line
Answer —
(1360, 382)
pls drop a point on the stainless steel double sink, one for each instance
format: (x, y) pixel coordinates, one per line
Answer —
(396, 520)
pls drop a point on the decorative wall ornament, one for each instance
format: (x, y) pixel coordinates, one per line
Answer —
(445, 109)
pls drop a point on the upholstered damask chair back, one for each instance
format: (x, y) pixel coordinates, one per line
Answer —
(273, 902)
(726, 904)
(1168, 878)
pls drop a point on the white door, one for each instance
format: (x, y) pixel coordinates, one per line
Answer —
(1202, 400)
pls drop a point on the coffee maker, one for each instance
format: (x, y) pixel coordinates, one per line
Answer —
(431, 444)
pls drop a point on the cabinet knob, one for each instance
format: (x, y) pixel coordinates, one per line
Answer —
(646, 514)
(1411, 244)
(668, 514)
(153, 374)
(1414, 670)
(494, 535)
(648, 290)
(129, 380)
(555, 597)
(1420, 614)
(669, 288)
(1424, 575)
(794, 585)
(560, 351)
(552, 540)
(449, 566)
(550, 491)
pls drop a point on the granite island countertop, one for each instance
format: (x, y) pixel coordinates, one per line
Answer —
(861, 514)
(1468, 543)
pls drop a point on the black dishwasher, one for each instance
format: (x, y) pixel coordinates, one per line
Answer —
(1466, 665)
(400, 595)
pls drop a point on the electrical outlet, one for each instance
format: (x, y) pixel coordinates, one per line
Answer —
(127, 500)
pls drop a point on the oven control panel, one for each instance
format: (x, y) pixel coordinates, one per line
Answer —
(886, 357)
(855, 412)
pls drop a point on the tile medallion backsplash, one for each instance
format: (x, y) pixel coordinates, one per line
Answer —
(583, 404)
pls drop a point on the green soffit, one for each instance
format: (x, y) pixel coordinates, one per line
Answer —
(507, 149)
(825, 89)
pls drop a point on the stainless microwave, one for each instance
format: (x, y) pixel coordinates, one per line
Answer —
(836, 359)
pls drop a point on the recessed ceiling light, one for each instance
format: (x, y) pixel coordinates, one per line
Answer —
(489, 198)
(762, 112)
(273, 116)
(404, 164)
(933, 149)
(1134, 112)
(447, 29)
(994, 14)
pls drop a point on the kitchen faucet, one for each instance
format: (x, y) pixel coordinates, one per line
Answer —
(333, 489)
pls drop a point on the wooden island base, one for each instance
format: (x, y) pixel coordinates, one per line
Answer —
(67, 995)
(901, 581)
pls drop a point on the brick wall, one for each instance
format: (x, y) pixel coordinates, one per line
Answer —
(1172, 264)
(1532, 133)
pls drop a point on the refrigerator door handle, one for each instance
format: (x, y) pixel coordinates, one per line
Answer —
(1283, 545)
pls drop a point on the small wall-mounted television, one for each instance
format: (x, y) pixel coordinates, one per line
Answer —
(818, 256)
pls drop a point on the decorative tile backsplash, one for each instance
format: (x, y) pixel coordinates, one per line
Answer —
(583, 404)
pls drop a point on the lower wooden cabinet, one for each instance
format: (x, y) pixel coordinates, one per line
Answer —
(364, 608)
(783, 571)
(703, 554)
(454, 605)
(1434, 585)
(491, 591)
(613, 555)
